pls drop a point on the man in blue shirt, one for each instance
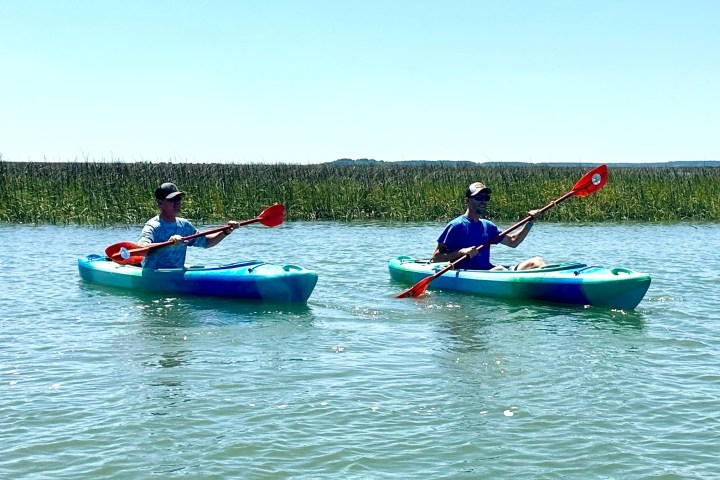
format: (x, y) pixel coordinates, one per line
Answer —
(470, 230)
(168, 226)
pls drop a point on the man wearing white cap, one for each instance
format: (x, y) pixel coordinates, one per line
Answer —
(465, 233)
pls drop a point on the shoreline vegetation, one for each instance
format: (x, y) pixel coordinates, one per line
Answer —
(119, 193)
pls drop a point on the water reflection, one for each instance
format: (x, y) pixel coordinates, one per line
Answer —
(160, 309)
(168, 359)
(463, 334)
(482, 309)
(172, 338)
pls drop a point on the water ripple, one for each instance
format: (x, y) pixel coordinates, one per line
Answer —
(101, 383)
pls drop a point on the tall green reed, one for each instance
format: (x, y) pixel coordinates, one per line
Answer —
(110, 193)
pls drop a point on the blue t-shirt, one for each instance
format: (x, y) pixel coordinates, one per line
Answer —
(462, 232)
(157, 230)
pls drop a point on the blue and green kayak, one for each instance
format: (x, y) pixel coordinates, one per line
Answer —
(574, 283)
(250, 280)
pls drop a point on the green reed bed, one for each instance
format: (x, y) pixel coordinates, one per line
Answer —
(100, 193)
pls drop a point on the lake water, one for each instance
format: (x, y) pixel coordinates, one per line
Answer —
(103, 383)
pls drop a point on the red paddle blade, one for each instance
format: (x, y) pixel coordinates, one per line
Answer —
(416, 290)
(126, 253)
(272, 216)
(591, 182)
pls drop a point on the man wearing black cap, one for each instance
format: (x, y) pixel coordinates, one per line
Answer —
(470, 230)
(168, 226)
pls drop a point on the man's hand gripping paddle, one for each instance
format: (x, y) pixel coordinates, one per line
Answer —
(127, 253)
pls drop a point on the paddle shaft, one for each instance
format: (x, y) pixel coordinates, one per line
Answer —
(152, 246)
(126, 253)
(206, 232)
(194, 235)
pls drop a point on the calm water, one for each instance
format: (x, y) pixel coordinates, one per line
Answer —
(102, 383)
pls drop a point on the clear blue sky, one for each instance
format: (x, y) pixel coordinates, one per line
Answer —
(294, 81)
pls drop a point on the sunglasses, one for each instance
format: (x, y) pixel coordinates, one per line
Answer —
(481, 197)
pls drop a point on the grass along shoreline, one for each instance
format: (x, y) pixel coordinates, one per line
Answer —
(103, 194)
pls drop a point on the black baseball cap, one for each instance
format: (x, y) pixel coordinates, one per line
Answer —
(167, 191)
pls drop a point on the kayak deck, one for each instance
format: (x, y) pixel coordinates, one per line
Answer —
(249, 280)
(573, 283)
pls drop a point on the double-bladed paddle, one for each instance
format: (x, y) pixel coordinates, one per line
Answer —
(590, 183)
(127, 253)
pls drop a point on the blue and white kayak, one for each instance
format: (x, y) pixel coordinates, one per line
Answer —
(574, 283)
(250, 280)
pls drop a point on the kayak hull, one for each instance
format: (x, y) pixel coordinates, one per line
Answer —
(572, 283)
(251, 280)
